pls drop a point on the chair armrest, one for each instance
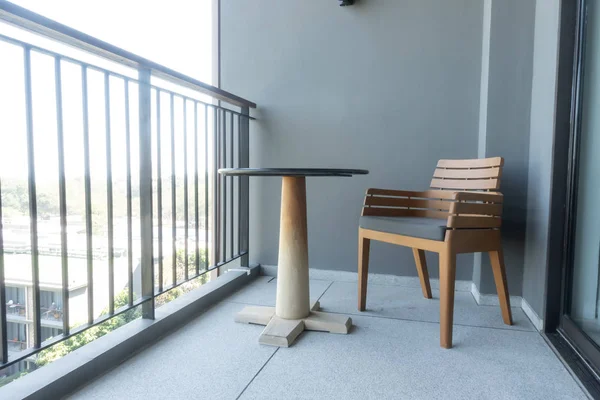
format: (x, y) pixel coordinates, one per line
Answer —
(476, 210)
(486, 197)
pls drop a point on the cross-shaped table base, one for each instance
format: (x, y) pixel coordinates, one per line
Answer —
(282, 332)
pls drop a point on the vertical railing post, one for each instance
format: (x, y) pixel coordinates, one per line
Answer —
(33, 314)
(215, 209)
(88, 196)
(223, 180)
(159, 194)
(173, 196)
(186, 231)
(3, 325)
(239, 188)
(109, 198)
(129, 194)
(196, 195)
(147, 259)
(62, 194)
(244, 143)
(231, 180)
(208, 254)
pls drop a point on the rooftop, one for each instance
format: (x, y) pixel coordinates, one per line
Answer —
(18, 271)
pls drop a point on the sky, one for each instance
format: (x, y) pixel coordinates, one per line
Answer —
(178, 36)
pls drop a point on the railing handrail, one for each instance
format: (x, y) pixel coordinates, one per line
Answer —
(34, 22)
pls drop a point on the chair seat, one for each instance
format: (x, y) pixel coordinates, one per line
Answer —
(425, 228)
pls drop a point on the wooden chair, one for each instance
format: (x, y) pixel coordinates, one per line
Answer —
(460, 214)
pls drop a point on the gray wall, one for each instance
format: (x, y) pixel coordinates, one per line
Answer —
(386, 85)
(543, 103)
(508, 101)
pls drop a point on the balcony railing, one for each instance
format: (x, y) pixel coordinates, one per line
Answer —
(52, 313)
(15, 345)
(16, 310)
(174, 133)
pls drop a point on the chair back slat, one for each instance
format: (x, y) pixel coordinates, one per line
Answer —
(479, 173)
(472, 163)
(393, 203)
(475, 174)
(428, 194)
(403, 212)
(465, 184)
(407, 202)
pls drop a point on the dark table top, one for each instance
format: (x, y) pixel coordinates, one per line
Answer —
(291, 172)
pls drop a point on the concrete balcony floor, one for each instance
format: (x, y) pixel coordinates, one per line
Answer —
(392, 352)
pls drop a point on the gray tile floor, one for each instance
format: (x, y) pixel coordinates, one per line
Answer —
(392, 352)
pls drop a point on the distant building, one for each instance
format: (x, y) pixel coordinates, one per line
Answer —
(19, 300)
(17, 265)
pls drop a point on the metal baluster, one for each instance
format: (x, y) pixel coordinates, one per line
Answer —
(3, 324)
(185, 191)
(239, 181)
(62, 196)
(173, 196)
(88, 197)
(109, 199)
(216, 187)
(231, 183)
(206, 250)
(147, 259)
(223, 205)
(129, 205)
(159, 194)
(35, 267)
(196, 211)
(245, 163)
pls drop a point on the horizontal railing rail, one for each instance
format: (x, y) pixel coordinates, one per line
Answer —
(164, 216)
(93, 67)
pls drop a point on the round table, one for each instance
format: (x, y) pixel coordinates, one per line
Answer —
(293, 311)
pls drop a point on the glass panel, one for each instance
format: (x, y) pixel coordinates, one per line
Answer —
(585, 297)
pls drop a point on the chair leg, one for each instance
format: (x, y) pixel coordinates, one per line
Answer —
(447, 277)
(497, 260)
(422, 271)
(364, 245)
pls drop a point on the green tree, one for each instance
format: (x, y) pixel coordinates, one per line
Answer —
(5, 380)
(47, 205)
(73, 343)
(15, 196)
(122, 299)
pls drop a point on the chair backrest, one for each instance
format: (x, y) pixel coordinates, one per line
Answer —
(457, 201)
(474, 174)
